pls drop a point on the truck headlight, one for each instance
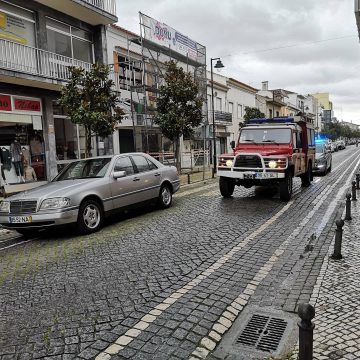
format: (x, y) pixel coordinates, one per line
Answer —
(272, 164)
(229, 163)
(54, 203)
(5, 206)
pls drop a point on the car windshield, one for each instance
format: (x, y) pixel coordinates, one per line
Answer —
(84, 169)
(319, 148)
(274, 136)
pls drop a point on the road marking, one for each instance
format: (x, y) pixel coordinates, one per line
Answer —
(226, 319)
(149, 318)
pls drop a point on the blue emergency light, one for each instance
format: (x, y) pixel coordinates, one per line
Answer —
(277, 120)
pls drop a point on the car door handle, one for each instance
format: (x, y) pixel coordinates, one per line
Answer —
(136, 179)
(157, 174)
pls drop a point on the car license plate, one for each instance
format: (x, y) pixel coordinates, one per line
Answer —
(249, 176)
(265, 175)
(20, 219)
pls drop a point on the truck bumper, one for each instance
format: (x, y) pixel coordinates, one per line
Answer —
(250, 175)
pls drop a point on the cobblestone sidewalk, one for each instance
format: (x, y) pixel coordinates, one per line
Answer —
(336, 298)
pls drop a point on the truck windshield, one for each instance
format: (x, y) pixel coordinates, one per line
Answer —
(256, 136)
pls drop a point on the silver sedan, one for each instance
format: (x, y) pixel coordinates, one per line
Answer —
(87, 190)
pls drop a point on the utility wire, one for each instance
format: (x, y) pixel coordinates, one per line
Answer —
(294, 45)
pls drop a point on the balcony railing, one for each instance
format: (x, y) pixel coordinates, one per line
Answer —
(221, 116)
(106, 5)
(29, 60)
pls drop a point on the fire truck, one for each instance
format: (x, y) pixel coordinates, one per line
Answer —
(270, 152)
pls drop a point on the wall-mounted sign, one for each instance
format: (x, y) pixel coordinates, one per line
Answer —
(27, 105)
(5, 103)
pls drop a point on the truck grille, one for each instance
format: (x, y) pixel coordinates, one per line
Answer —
(23, 206)
(248, 161)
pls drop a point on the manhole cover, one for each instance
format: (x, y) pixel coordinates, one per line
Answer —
(263, 333)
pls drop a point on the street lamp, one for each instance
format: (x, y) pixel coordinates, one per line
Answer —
(218, 65)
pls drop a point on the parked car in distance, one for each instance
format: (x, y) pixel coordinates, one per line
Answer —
(87, 190)
(323, 158)
(341, 144)
(333, 146)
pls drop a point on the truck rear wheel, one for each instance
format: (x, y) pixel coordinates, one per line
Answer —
(226, 186)
(286, 187)
(307, 177)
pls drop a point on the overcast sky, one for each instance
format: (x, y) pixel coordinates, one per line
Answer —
(242, 32)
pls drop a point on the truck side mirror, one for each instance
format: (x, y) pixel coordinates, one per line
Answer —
(232, 144)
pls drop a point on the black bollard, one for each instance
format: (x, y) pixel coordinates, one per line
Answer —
(357, 181)
(348, 207)
(338, 239)
(353, 196)
(306, 328)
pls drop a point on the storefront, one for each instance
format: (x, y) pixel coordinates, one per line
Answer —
(22, 148)
(70, 140)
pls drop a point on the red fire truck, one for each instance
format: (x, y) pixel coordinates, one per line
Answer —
(270, 152)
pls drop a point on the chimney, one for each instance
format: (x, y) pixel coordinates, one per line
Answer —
(265, 85)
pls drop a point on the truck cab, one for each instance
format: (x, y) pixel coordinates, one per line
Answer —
(270, 152)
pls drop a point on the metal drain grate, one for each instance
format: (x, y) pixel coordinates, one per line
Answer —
(263, 332)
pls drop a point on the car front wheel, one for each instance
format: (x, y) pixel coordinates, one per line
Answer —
(165, 197)
(90, 217)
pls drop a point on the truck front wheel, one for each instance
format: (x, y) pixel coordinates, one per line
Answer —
(286, 187)
(307, 177)
(226, 186)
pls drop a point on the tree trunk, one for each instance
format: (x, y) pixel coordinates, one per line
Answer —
(87, 142)
(177, 154)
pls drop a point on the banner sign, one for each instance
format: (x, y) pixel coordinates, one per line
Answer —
(27, 105)
(164, 35)
(5, 103)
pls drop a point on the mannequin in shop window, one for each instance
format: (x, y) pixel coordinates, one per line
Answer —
(16, 158)
(4, 160)
(29, 172)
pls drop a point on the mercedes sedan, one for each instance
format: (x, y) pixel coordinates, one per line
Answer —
(87, 190)
(323, 159)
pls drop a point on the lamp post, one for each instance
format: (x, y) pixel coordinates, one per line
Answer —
(218, 65)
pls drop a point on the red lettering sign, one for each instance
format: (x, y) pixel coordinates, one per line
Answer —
(27, 105)
(5, 103)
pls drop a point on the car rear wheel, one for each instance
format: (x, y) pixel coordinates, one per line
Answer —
(90, 217)
(226, 186)
(165, 197)
(286, 188)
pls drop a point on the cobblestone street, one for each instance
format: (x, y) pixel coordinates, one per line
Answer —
(170, 284)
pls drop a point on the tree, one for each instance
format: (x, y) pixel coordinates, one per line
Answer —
(252, 113)
(178, 106)
(89, 101)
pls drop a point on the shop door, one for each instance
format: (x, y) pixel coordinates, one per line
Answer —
(126, 140)
(223, 149)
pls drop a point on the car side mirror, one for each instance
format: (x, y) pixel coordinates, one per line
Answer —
(119, 174)
(232, 144)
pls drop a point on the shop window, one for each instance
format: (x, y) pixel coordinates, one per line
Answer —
(22, 151)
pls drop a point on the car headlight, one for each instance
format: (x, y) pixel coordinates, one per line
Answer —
(5, 206)
(54, 203)
(272, 164)
(229, 163)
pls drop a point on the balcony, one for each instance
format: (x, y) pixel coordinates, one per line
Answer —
(35, 65)
(94, 12)
(221, 117)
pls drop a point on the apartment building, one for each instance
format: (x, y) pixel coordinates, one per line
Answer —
(230, 99)
(39, 39)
